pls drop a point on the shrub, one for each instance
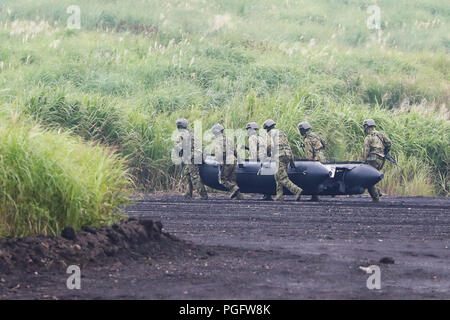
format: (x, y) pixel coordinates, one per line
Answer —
(50, 180)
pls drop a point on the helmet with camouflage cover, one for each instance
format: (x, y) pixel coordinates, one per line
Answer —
(182, 123)
(252, 125)
(269, 124)
(217, 129)
(304, 125)
(369, 123)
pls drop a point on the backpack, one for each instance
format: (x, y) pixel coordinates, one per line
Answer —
(386, 143)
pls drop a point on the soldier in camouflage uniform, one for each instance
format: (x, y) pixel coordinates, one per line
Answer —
(280, 149)
(257, 148)
(191, 172)
(226, 154)
(376, 146)
(314, 146)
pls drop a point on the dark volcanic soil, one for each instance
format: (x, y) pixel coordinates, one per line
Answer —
(264, 250)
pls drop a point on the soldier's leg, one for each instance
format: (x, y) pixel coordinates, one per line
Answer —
(188, 182)
(237, 194)
(282, 179)
(279, 186)
(288, 184)
(380, 162)
(197, 183)
(229, 179)
(374, 191)
(292, 187)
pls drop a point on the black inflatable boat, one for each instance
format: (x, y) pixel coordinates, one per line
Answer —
(341, 178)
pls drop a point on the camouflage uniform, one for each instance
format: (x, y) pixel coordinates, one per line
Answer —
(284, 157)
(376, 145)
(314, 150)
(228, 161)
(257, 148)
(191, 171)
(314, 147)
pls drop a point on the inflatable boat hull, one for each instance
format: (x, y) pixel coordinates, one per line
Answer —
(315, 178)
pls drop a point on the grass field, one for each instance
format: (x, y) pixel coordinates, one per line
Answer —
(134, 67)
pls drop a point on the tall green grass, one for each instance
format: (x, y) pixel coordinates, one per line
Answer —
(50, 180)
(124, 78)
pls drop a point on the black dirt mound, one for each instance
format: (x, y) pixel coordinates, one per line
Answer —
(128, 239)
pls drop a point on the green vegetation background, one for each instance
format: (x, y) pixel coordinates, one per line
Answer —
(136, 66)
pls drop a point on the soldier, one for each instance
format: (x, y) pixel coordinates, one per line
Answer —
(191, 174)
(257, 148)
(376, 146)
(314, 146)
(226, 155)
(280, 149)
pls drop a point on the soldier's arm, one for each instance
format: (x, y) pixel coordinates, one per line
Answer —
(269, 146)
(262, 150)
(178, 145)
(388, 143)
(231, 148)
(252, 146)
(366, 148)
(197, 149)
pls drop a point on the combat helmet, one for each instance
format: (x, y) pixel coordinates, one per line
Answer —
(252, 125)
(304, 125)
(369, 123)
(182, 123)
(217, 129)
(268, 124)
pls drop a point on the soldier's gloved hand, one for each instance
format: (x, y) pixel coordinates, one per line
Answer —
(180, 153)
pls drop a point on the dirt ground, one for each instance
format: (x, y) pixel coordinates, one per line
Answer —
(255, 249)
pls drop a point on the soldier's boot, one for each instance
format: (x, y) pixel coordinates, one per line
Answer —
(202, 192)
(234, 192)
(293, 188)
(188, 194)
(239, 196)
(267, 197)
(374, 194)
(314, 198)
(298, 195)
